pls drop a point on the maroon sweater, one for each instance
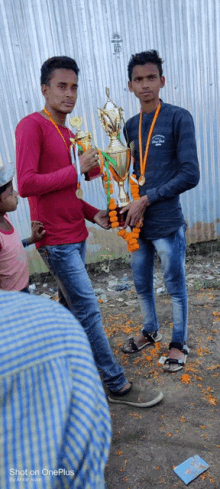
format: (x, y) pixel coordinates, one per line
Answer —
(47, 177)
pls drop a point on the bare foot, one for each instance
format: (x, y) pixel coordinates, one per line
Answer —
(126, 386)
(136, 343)
(177, 354)
(140, 340)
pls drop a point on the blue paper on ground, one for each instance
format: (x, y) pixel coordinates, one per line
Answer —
(191, 468)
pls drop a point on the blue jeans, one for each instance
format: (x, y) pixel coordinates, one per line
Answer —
(68, 264)
(171, 251)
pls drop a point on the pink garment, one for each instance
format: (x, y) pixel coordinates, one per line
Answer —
(14, 273)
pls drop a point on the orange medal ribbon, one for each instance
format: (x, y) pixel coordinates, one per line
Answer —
(56, 126)
(143, 163)
(79, 192)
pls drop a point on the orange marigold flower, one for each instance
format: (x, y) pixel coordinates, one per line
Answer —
(115, 225)
(136, 230)
(132, 241)
(122, 233)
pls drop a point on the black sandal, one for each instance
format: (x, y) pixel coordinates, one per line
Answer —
(131, 347)
(176, 361)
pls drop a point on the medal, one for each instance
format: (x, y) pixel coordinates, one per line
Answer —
(141, 180)
(79, 193)
(143, 161)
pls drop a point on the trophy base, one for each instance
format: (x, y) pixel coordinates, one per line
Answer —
(93, 173)
(121, 217)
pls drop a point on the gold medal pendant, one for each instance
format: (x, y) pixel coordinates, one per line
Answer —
(79, 193)
(141, 180)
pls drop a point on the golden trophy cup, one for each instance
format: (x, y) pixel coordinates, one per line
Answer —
(111, 118)
(84, 141)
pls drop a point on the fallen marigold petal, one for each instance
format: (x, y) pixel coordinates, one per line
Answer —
(185, 379)
(119, 452)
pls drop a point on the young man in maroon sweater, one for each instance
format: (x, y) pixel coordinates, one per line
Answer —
(46, 176)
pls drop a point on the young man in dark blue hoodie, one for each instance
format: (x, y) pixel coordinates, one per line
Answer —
(162, 140)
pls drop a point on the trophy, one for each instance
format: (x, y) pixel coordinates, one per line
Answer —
(84, 141)
(116, 154)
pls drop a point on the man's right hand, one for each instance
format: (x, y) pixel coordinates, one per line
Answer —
(88, 160)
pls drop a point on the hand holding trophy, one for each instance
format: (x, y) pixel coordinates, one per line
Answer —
(118, 167)
(89, 161)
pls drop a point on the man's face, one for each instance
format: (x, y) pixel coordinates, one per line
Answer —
(61, 94)
(146, 82)
(8, 199)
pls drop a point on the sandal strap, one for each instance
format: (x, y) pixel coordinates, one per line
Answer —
(150, 337)
(175, 361)
(183, 348)
(133, 344)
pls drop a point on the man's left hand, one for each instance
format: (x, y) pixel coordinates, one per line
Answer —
(135, 211)
(102, 219)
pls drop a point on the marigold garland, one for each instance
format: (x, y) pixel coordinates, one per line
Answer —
(130, 236)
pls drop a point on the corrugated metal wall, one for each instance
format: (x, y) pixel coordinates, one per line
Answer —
(101, 35)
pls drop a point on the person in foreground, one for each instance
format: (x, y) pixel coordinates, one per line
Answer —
(55, 421)
(47, 176)
(162, 139)
(14, 273)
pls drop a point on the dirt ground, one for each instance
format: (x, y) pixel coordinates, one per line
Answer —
(148, 443)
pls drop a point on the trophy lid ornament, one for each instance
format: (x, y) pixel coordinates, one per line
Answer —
(111, 117)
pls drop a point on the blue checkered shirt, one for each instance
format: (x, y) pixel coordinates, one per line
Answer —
(55, 423)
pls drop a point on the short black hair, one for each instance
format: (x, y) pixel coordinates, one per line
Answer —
(144, 58)
(56, 63)
(3, 188)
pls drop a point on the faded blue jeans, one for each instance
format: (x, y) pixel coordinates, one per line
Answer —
(171, 251)
(67, 262)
